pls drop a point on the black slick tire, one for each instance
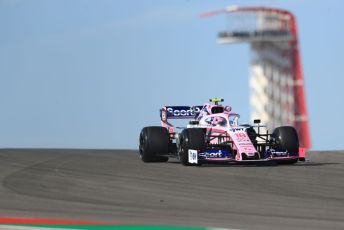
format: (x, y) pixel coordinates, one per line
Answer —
(286, 139)
(191, 138)
(154, 142)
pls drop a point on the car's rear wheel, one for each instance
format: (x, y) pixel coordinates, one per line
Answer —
(286, 139)
(154, 142)
(192, 138)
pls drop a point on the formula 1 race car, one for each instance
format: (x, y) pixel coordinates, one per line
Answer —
(214, 134)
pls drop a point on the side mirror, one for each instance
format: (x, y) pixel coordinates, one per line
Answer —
(256, 121)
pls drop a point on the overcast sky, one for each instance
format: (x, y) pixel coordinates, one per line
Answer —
(92, 73)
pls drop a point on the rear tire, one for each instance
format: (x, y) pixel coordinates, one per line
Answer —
(286, 139)
(154, 141)
(191, 138)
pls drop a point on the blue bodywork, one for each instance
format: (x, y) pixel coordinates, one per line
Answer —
(215, 153)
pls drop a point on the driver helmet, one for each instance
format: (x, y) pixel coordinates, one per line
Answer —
(219, 121)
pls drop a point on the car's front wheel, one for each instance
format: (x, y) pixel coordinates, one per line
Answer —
(191, 138)
(286, 139)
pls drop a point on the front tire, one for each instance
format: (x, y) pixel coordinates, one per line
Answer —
(191, 138)
(286, 139)
(154, 141)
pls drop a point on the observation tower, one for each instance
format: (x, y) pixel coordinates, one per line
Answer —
(276, 81)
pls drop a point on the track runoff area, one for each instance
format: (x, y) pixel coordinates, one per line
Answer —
(114, 189)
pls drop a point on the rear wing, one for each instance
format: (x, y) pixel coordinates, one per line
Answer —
(179, 112)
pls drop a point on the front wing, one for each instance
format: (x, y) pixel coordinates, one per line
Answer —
(225, 155)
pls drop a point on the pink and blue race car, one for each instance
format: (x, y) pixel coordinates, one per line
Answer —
(214, 134)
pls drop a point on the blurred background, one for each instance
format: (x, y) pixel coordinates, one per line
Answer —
(91, 74)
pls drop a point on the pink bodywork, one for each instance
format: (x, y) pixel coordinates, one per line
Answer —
(243, 144)
(241, 141)
(231, 132)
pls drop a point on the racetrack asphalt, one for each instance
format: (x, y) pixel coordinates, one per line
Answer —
(115, 185)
